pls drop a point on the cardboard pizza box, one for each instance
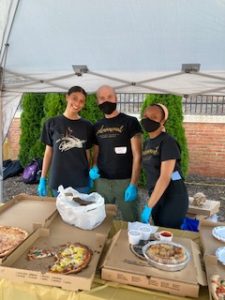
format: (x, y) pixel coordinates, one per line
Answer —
(209, 208)
(121, 265)
(28, 212)
(208, 241)
(213, 267)
(17, 268)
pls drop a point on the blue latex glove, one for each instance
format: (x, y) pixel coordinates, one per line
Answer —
(42, 187)
(94, 173)
(146, 214)
(130, 193)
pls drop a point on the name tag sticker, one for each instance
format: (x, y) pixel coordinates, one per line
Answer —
(120, 150)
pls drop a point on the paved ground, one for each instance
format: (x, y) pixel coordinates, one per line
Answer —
(213, 188)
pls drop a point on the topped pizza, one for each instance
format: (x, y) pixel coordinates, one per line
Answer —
(71, 259)
(167, 253)
(217, 287)
(10, 238)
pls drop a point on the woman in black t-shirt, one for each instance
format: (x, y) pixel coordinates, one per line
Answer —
(168, 198)
(68, 139)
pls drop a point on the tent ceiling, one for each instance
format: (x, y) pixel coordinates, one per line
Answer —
(130, 42)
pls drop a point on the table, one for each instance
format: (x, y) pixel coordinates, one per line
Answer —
(100, 289)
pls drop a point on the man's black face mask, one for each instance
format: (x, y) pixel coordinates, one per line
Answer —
(107, 107)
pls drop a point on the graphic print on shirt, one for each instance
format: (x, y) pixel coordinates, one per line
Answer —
(148, 153)
(109, 132)
(69, 141)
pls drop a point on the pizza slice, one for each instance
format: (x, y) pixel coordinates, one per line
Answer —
(72, 259)
(10, 238)
(37, 253)
(217, 287)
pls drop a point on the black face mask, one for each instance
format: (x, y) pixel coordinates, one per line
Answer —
(107, 107)
(150, 125)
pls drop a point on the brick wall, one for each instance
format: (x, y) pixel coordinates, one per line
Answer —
(206, 142)
(11, 145)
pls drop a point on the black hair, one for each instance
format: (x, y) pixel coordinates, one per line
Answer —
(161, 109)
(77, 89)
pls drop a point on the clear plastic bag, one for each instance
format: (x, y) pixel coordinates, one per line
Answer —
(83, 216)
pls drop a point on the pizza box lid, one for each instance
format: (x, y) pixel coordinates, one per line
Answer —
(28, 212)
(209, 208)
(17, 268)
(209, 242)
(213, 267)
(119, 257)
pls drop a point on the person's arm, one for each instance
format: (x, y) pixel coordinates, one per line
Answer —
(163, 181)
(95, 154)
(136, 152)
(46, 161)
(88, 154)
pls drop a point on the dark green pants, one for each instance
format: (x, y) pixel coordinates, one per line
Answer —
(112, 190)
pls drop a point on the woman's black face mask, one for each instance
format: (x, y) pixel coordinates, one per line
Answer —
(150, 125)
(107, 107)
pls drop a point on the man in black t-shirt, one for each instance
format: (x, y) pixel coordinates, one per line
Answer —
(117, 155)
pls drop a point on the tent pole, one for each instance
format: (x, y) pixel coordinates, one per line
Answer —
(1, 137)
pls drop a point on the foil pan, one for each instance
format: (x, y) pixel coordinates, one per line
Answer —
(163, 266)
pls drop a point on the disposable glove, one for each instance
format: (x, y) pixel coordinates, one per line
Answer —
(42, 187)
(146, 214)
(94, 173)
(130, 193)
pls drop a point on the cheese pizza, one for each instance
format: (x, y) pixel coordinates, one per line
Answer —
(10, 238)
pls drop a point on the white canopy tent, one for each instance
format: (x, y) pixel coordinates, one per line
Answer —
(133, 45)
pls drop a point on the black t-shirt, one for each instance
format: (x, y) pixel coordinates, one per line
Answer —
(113, 136)
(163, 147)
(69, 139)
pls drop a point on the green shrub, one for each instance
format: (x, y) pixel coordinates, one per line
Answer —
(174, 125)
(91, 111)
(30, 146)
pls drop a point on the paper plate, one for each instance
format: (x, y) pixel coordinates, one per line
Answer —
(219, 233)
(220, 254)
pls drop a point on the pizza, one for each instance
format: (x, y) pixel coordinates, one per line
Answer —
(167, 253)
(217, 287)
(37, 253)
(10, 238)
(71, 259)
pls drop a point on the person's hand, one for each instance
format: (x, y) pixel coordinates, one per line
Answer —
(146, 214)
(94, 173)
(42, 187)
(130, 193)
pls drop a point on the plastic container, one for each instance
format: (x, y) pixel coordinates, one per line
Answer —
(145, 232)
(134, 237)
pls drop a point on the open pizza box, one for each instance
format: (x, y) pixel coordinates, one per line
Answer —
(213, 267)
(28, 213)
(209, 242)
(210, 245)
(209, 208)
(121, 265)
(16, 267)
